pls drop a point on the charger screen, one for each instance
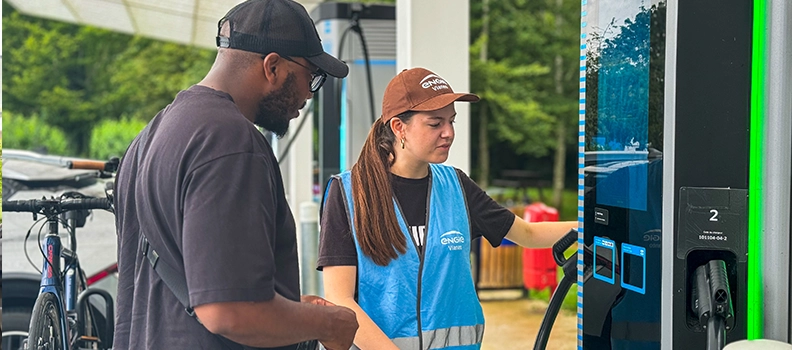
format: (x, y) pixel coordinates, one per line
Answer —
(633, 269)
(604, 248)
(633, 264)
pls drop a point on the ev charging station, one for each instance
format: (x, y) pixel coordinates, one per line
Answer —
(685, 153)
(685, 150)
(365, 38)
(685, 142)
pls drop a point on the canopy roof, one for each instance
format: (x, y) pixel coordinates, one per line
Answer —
(190, 22)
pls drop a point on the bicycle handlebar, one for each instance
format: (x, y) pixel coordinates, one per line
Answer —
(57, 205)
(86, 164)
(109, 166)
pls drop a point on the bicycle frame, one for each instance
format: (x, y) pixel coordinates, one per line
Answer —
(65, 293)
(78, 318)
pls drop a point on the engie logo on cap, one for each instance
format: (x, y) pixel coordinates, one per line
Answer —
(435, 82)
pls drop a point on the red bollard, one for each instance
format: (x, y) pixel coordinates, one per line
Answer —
(539, 268)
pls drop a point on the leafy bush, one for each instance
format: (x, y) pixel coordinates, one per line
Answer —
(32, 133)
(1, 184)
(111, 137)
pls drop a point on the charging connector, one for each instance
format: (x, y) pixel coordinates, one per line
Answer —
(711, 302)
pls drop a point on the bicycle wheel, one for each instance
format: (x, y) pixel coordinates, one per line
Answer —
(16, 321)
(45, 332)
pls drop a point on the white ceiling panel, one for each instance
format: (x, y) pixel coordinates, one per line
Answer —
(163, 26)
(213, 10)
(106, 14)
(51, 9)
(191, 22)
(179, 6)
(205, 34)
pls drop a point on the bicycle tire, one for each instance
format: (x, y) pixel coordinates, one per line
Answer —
(16, 321)
(45, 332)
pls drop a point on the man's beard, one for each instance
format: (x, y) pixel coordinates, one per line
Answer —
(274, 109)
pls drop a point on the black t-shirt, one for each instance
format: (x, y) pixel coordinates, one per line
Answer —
(209, 195)
(336, 242)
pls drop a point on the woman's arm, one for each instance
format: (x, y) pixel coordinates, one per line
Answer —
(339, 286)
(538, 234)
(493, 221)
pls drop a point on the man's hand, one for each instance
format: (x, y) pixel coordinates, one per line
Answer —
(342, 324)
(313, 299)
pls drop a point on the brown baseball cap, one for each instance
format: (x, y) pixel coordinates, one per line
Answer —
(420, 90)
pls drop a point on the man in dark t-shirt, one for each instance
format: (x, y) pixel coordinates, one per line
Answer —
(203, 187)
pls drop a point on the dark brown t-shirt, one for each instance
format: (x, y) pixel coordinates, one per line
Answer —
(336, 242)
(209, 195)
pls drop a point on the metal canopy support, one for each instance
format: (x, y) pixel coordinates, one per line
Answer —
(776, 183)
(435, 35)
(669, 142)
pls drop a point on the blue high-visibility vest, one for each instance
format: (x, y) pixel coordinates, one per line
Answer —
(425, 299)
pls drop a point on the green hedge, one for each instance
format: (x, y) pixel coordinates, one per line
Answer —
(111, 137)
(31, 133)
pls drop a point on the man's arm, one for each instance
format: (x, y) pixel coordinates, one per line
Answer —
(278, 322)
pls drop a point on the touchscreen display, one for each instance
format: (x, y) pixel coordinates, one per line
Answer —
(633, 268)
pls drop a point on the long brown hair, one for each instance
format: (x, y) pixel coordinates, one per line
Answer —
(378, 231)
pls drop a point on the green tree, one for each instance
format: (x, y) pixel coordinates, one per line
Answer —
(529, 78)
(1, 175)
(74, 76)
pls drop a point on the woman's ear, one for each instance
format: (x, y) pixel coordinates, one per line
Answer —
(397, 126)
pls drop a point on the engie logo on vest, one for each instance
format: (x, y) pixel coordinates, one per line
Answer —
(453, 240)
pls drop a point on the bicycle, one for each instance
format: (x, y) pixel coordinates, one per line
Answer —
(62, 318)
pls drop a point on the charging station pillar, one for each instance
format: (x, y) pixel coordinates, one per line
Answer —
(344, 115)
(776, 192)
(708, 122)
(685, 151)
(436, 35)
(685, 170)
(622, 158)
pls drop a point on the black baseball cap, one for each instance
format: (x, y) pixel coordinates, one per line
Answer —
(280, 26)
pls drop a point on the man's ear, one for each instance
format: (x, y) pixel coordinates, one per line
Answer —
(270, 66)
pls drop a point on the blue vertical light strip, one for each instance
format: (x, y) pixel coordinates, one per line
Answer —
(342, 129)
(581, 164)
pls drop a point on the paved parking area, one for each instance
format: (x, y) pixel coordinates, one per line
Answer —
(514, 323)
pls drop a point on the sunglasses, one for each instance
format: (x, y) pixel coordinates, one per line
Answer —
(318, 77)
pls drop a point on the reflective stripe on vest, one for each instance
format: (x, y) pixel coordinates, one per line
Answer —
(450, 312)
(459, 337)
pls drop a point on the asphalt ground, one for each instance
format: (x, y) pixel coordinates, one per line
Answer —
(514, 323)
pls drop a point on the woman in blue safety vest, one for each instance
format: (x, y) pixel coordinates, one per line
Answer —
(396, 229)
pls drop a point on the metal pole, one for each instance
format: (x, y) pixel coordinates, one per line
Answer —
(669, 155)
(309, 234)
(776, 183)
